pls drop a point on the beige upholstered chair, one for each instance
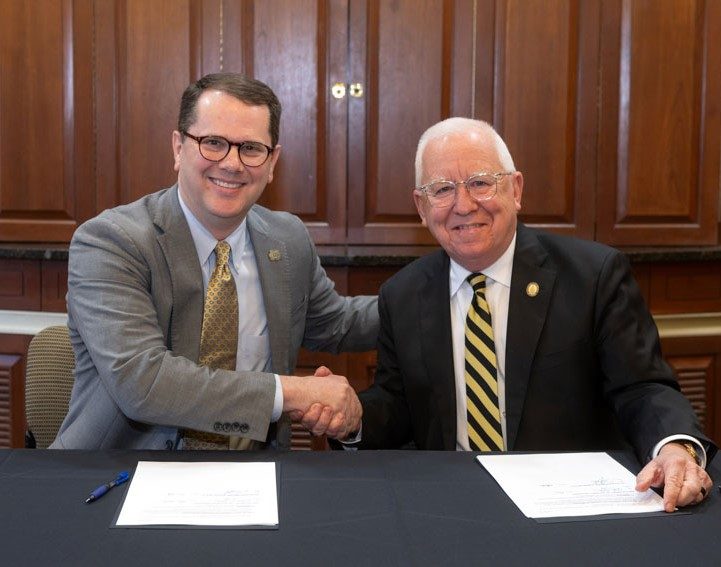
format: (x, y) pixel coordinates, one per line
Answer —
(48, 382)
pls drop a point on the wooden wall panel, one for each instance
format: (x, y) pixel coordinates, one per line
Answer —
(404, 54)
(544, 107)
(20, 285)
(612, 108)
(693, 287)
(54, 276)
(660, 129)
(697, 363)
(299, 55)
(148, 47)
(12, 389)
(45, 119)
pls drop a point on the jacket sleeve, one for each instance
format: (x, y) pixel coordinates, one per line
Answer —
(639, 384)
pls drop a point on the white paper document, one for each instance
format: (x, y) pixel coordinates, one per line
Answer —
(569, 484)
(201, 494)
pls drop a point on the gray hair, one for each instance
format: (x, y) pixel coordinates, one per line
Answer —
(459, 125)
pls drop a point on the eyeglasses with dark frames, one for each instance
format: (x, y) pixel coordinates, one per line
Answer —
(216, 148)
(481, 186)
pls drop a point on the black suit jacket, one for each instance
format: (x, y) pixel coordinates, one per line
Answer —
(583, 362)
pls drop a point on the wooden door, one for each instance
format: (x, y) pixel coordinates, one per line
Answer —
(660, 127)
(543, 100)
(46, 160)
(526, 66)
(300, 50)
(146, 53)
(411, 65)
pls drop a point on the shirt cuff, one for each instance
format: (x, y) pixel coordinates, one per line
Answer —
(700, 449)
(277, 400)
(349, 443)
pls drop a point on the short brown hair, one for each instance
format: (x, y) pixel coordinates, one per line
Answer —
(247, 90)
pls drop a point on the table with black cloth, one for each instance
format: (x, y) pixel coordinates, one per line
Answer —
(335, 508)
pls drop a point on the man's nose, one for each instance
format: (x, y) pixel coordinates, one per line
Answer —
(464, 203)
(232, 161)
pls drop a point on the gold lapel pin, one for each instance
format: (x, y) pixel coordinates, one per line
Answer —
(532, 289)
(273, 255)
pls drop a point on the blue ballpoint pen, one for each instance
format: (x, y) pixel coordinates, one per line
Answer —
(100, 490)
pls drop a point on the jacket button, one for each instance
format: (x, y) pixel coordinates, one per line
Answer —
(226, 426)
(236, 426)
(244, 428)
(217, 426)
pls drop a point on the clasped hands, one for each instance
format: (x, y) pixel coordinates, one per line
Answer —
(684, 481)
(324, 403)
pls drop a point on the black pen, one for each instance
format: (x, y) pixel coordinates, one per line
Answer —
(100, 490)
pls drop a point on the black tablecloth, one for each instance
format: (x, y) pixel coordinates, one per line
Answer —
(339, 508)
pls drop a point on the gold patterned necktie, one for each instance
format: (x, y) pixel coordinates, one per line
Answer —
(218, 338)
(484, 417)
(219, 335)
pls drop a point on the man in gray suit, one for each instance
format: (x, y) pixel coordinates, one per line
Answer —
(137, 276)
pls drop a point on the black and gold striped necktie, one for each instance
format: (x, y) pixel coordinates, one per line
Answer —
(484, 417)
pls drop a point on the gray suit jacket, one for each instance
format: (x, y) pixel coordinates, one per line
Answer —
(135, 307)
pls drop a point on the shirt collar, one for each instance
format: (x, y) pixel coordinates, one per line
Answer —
(500, 271)
(205, 242)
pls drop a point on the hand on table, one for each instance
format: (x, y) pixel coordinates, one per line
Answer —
(684, 481)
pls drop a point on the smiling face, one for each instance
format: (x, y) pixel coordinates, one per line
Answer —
(475, 234)
(221, 194)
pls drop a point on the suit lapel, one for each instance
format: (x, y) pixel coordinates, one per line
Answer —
(526, 317)
(271, 256)
(436, 342)
(181, 256)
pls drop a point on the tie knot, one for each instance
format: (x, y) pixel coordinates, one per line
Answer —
(222, 253)
(478, 281)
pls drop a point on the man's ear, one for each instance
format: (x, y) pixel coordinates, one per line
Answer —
(273, 160)
(517, 181)
(420, 202)
(177, 145)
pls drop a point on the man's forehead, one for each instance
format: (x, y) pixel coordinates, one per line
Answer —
(468, 140)
(233, 116)
(213, 100)
(459, 151)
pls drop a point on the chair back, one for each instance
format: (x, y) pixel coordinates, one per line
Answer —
(48, 383)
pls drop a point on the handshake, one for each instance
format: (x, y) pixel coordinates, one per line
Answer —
(324, 403)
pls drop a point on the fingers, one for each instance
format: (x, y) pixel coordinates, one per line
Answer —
(674, 491)
(695, 488)
(705, 484)
(324, 403)
(335, 392)
(650, 475)
(684, 482)
(321, 424)
(338, 429)
(295, 415)
(317, 419)
(311, 417)
(322, 420)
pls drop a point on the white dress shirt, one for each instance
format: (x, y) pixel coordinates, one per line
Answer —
(253, 337)
(498, 292)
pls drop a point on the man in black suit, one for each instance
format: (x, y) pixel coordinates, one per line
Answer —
(577, 362)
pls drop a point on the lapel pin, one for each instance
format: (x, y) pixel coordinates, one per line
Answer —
(273, 255)
(532, 289)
